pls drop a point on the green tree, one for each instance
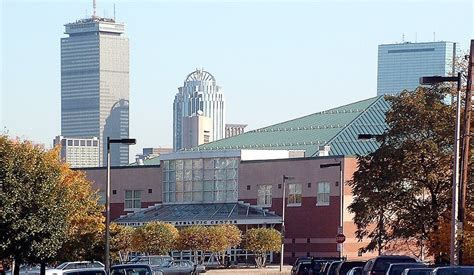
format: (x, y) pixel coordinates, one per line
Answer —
(408, 178)
(155, 238)
(33, 206)
(262, 241)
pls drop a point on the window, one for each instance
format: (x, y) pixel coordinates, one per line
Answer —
(323, 193)
(200, 180)
(294, 194)
(133, 199)
(264, 197)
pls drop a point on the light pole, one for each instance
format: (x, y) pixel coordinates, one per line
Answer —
(283, 206)
(455, 248)
(127, 141)
(340, 229)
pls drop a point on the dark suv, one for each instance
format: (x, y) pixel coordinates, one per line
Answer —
(380, 264)
(345, 266)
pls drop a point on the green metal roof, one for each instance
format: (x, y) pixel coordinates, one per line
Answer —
(338, 127)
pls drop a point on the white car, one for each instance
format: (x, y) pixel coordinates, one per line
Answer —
(68, 266)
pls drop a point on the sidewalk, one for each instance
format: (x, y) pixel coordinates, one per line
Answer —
(272, 269)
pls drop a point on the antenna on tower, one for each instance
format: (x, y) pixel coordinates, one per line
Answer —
(403, 37)
(114, 11)
(94, 7)
(434, 36)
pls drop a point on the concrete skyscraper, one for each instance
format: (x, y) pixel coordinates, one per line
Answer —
(401, 65)
(95, 84)
(199, 96)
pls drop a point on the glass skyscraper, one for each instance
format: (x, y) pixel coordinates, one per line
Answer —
(95, 84)
(199, 96)
(401, 65)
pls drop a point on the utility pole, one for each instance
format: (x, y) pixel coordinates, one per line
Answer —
(465, 150)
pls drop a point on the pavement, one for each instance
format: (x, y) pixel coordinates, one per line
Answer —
(271, 269)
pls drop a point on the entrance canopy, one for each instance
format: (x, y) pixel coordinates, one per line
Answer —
(202, 214)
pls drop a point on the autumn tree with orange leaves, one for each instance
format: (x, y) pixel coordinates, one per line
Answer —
(48, 212)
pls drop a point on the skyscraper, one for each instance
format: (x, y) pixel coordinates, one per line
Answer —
(199, 96)
(95, 84)
(401, 65)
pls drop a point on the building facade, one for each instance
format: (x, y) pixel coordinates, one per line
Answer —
(234, 129)
(197, 129)
(79, 152)
(95, 84)
(242, 187)
(201, 96)
(240, 180)
(401, 65)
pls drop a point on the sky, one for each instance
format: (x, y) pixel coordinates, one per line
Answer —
(275, 60)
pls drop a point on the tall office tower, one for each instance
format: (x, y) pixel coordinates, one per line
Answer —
(95, 84)
(401, 65)
(199, 96)
(79, 152)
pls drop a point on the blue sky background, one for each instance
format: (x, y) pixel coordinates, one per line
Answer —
(275, 60)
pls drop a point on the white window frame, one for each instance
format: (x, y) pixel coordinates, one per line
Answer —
(294, 189)
(133, 199)
(266, 194)
(323, 197)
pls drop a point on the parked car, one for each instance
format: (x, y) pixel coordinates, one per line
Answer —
(344, 267)
(332, 268)
(135, 269)
(326, 266)
(449, 270)
(85, 271)
(303, 268)
(151, 259)
(26, 270)
(181, 267)
(60, 269)
(380, 264)
(298, 261)
(300, 264)
(398, 268)
(355, 271)
(317, 266)
(418, 271)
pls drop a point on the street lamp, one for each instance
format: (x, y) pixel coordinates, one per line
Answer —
(340, 229)
(285, 178)
(127, 141)
(455, 247)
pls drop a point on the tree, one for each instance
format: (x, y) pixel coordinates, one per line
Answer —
(262, 241)
(85, 234)
(121, 242)
(155, 238)
(222, 238)
(410, 174)
(215, 239)
(196, 239)
(444, 238)
(33, 206)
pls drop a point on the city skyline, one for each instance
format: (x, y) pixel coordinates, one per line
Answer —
(287, 71)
